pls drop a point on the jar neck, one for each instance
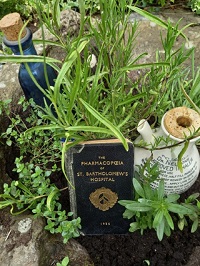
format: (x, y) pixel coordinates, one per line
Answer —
(26, 44)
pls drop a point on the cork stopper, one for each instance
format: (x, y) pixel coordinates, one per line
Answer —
(181, 122)
(11, 25)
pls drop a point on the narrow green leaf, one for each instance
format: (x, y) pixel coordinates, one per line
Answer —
(67, 65)
(152, 18)
(89, 129)
(24, 188)
(64, 150)
(142, 66)
(115, 131)
(26, 59)
(50, 197)
(161, 189)
(76, 85)
(42, 127)
(56, 13)
(132, 99)
(190, 100)
(195, 89)
(180, 156)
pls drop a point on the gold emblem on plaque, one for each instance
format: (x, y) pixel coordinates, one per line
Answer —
(103, 198)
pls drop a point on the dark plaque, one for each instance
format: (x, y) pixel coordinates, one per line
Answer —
(101, 172)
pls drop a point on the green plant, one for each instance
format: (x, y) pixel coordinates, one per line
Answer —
(39, 160)
(192, 203)
(88, 101)
(153, 209)
(195, 6)
(64, 262)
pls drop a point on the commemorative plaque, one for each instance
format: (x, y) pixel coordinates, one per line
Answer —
(101, 172)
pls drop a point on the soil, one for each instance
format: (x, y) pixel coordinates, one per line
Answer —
(135, 249)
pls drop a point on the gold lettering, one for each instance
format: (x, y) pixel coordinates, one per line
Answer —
(100, 179)
(89, 163)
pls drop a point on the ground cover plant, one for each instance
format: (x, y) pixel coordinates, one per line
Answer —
(88, 102)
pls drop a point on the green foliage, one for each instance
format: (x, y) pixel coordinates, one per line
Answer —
(34, 189)
(64, 262)
(195, 6)
(24, 7)
(153, 209)
(98, 102)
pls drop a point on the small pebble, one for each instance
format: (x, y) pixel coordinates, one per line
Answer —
(24, 225)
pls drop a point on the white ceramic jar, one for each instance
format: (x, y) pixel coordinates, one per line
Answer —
(178, 122)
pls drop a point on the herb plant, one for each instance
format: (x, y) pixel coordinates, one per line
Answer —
(152, 209)
(39, 159)
(64, 262)
(98, 102)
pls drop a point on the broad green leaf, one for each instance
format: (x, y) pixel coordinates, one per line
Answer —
(138, 188)
(167, 230)
(158, 218)
(176, 208)
(169, 219)
(195, 225)
(146, 202)
(149, 193)
(124, 202)
(134, 227)
(181, 223)
(138, 207)
(128, 214)
(160, 229)
(172, 198)
(192, 197)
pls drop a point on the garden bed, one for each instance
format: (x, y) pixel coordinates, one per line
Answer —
(135, 249)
